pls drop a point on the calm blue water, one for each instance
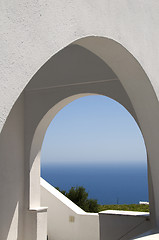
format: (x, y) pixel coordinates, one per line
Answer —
(107, 184)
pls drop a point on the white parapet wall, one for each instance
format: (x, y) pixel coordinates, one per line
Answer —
(66, 221)
(124, 225)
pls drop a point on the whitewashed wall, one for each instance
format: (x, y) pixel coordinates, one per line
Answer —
(124, 34)
(66, 221)
(12, 175)
(123, 225)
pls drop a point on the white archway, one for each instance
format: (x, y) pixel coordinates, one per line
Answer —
(92, 65)
(124, 35)
(130, 86)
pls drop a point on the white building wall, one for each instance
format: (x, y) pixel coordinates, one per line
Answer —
(32, 32)
(12, 175)
(66, 221)
(124, 225)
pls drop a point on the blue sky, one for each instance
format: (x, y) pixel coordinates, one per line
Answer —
(93, 129)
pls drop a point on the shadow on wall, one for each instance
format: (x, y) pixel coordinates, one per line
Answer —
(74, 64)
(14, 226)
(12, 174)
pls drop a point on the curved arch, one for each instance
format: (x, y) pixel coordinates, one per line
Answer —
(37, 144)
(103, 22)
(37, 141)
(100, 66)
(33, 32)
(131, 82)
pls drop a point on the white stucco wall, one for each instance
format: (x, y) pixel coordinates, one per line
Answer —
(66, 221)
(12, 175)
(77, 224)
(31, 33)
(27, 27)
(125, 225)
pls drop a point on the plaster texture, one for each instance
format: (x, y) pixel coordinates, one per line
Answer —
(52, 53)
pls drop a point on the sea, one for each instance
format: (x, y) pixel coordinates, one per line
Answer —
(109, 184)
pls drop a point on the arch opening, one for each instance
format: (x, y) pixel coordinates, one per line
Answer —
(92, 65)
(95, 143)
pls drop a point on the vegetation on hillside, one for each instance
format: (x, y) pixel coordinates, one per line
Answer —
(79, 196)
(125, 207)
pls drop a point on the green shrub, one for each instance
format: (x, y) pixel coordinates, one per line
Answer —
(79, 196)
